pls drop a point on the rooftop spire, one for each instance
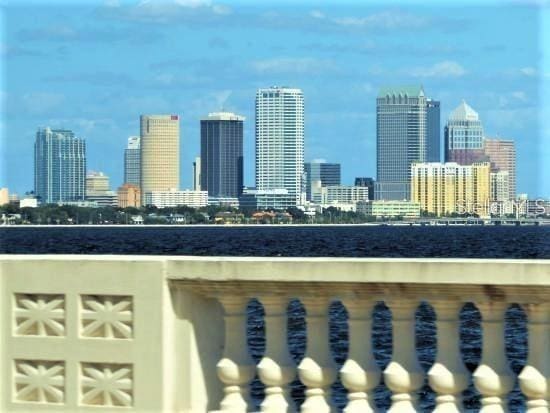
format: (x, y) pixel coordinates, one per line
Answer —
(464, 112)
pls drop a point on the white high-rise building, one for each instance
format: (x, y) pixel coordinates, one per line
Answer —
(280, 140)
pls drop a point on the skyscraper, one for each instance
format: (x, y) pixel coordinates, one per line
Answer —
(222, 155)
(321, 172)
(464, 136)
(502, 155)
(59, 166)
(401, 135)
(160, 153)
(280, 140)
(197, 174)
(132, 161)
(433, 130)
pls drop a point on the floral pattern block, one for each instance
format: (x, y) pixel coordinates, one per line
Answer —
(106, 384)
(107, 316)
(39, 381)
(39, 314)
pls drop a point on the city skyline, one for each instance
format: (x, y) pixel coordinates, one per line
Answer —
(339, 100)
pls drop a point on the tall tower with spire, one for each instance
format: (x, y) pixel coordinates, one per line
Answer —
(464, 141)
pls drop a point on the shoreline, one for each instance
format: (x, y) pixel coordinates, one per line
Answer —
(366, 224)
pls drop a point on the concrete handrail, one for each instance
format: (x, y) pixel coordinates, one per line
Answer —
(153, 332)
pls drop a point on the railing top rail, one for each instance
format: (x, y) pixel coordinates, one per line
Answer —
(421, 271)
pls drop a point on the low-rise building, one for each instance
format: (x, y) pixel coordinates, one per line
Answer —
(343, 194)
(269, 217)
(223, 201)
(174, 198)
(228, 217)
(389, 209)
(278, 199)
(129, 195)
(28, 202)
(104, 199)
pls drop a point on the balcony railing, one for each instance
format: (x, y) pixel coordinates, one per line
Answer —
(147, 333)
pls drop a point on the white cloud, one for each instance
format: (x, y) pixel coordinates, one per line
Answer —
(520, 95)
(111, 3)
(82, 126)
(446, 68)
(163, 11)
(221, 97)
(385, 20)
(221, 9)
(292, 65)
(42, 102)
(316, 14)
(528, 71)
(368, 88)
(193, 3)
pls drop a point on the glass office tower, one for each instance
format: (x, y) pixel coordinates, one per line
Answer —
(221, 160)
(401, 139)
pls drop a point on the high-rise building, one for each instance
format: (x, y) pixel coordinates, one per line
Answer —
(222, 154)
(433, 131)
(401, 139)
(320, 173)
(450, 188)
(368, 182)
(197, 174)
(59, 166)
(280, 140)
(160, 153)
(502, 155)
(132, 161)
(464, 136)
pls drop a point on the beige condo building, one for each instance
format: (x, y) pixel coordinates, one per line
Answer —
(160, 155)
(450, 188)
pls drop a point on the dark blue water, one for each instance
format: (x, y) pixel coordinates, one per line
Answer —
(288, 241)
(356, 241)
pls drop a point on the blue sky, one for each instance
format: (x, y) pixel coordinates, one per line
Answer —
(95, 67)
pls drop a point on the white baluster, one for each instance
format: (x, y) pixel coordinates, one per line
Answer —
(236, 368)
(317, 371)
(404, 375)
(448, 377)
(360, 374)
(276, 369)
(493, 378)
(534, 379)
